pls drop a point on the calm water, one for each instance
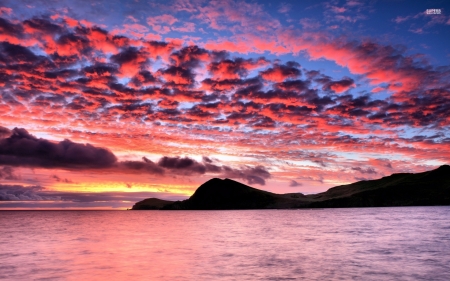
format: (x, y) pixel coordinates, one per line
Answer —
(330, 244)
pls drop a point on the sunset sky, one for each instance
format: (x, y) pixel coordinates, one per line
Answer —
(105, 103)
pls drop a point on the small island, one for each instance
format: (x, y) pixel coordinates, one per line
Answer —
(429, 188)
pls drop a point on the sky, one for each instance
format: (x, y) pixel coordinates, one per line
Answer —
(105, 103)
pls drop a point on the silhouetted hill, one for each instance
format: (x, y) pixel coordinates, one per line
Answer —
(405, 189)
(218, 194)
(151, 204)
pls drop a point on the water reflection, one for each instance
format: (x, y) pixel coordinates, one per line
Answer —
(330, 244)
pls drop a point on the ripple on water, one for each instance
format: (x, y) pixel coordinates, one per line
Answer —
(327, 244)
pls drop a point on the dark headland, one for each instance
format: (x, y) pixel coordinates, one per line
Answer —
(405, 189)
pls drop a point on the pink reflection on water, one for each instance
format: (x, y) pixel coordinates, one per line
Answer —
(368, 243)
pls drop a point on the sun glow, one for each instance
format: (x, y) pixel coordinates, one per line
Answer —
(112, 186)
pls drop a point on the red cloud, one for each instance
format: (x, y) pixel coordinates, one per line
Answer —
(279, 73)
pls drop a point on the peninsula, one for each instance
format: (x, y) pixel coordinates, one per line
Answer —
(405, 189)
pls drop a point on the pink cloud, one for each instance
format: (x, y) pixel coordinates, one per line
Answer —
(162, 24)
(131, 18)
(309, 23)
(284, 8)
(187, 27)
(338, 10)
(417, 30)
(5, 11)
(400, 19)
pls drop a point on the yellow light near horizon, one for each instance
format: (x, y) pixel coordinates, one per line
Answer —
(94, 187)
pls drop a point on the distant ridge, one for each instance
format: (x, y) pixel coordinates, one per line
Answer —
(404, 189)
(151, 204)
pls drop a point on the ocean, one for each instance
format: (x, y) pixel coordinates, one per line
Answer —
(403, 243)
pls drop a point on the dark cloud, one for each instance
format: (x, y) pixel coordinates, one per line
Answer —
(206, 159)
(263, 122)
(369, 170)
(293, 85)
(234, 69)
(185, 164)
(4, 132)
(253, 175)
(43, 25)
(64, 60)
(146, 165)
(130, 54)
(7, 27)
(279, 73)
(72, 42)
(338, 86)
(24, 193)
(100, 69)
(143, 78)
(189, 57)
(227, 84)
(24, 149)
(178, 76)
(58, 179)
(294, 183)
(11, 53)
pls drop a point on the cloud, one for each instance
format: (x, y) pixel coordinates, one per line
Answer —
(368, 170)
(178, 76)
(234, 69)
(4, 132)
(308, 23)
(7, 173)
(16, 54)
(294, 183)
(190, 57)
(207, 159)
(24, 149)
(146, 166)
(284, 8)
(162, 24)
(279, 73)
(253, 175)
(185, 164)
(24, 193)
(400, 19)
(73, 199)
(5, 11)
(131, 60)
(338, 86)
(186, 27)
(58, 179)
(95, 80)
(236, 16)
